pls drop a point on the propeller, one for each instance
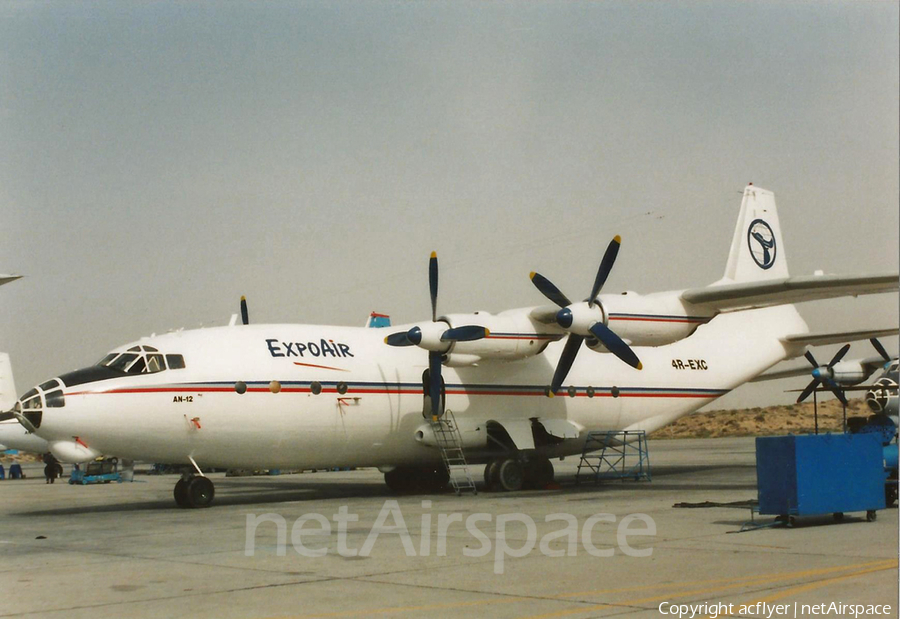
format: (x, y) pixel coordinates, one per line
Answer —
(245, 317)
(436, 337)
(585, 319)
(881, 351)
(824, 375)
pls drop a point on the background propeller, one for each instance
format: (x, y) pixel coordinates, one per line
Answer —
(436, 338)
(572, 317)
(881, 351)
(822, 375)
(245, 316)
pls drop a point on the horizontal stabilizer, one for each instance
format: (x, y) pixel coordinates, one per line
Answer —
(5, 279)
(754, 294)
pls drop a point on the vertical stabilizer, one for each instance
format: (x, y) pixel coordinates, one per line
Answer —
(757, 250)
(7, 385)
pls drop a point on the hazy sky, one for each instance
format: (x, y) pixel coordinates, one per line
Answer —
(159, 159)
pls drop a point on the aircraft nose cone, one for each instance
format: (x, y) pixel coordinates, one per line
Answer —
(564, 318)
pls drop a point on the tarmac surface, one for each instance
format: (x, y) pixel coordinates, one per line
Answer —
(125, 550)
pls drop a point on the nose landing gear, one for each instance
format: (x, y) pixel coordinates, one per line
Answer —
(194, 491)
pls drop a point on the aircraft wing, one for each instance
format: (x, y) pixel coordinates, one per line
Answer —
(822, 339)
(765, 293)
(5, 279)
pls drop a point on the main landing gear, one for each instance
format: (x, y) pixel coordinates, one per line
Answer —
(510, 473)
(194, 491)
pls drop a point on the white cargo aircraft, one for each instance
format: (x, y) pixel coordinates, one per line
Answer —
(12, 434)
(308, 396)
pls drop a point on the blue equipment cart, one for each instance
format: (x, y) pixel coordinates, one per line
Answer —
(101, 471)
(812, 475)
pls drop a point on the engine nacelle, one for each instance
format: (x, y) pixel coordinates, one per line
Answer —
(513, 335)
(649, 320)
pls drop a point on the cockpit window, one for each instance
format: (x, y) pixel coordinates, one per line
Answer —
(50, 384)
(55, 399)
(105, 360)
(122, 362)
(155, 363)
(140, 360)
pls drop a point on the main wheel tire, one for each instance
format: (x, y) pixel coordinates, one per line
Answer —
(511, 475)
(200, 492)
(871, 515)
(395, 480)
(492, 475)
(181, 493)
(890, 495)
(538, 473)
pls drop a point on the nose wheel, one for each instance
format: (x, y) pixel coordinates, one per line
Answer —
(194, 491)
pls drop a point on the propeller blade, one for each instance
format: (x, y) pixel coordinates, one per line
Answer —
(809, 389)
(811, 359)
(467, 333)
(433, 284)
(245, 317)
(616, 345)
(566, 359)
(398, 339)
(881, 351)
(837, 393)
(434, 386)
(549, 290)
(606, 265)
(840, 355)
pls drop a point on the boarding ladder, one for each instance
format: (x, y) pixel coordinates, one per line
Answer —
(622, 455)
(449, 441)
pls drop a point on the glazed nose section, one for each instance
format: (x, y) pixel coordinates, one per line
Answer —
(30, 408)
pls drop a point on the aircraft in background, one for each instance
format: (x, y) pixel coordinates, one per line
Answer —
(12, 434)
(311, 396)
(5, 279)
(838, 374)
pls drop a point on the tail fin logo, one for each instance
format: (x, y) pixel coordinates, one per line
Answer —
(761, 242)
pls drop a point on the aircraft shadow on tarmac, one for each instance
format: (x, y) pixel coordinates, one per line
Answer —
(262, 490)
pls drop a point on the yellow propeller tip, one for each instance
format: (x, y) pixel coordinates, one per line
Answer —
(531, 275)
(434, 254)
(385, 340)
(640, 365)
(550, 393)
(617, 239)
(243, 298)
(487, 332)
